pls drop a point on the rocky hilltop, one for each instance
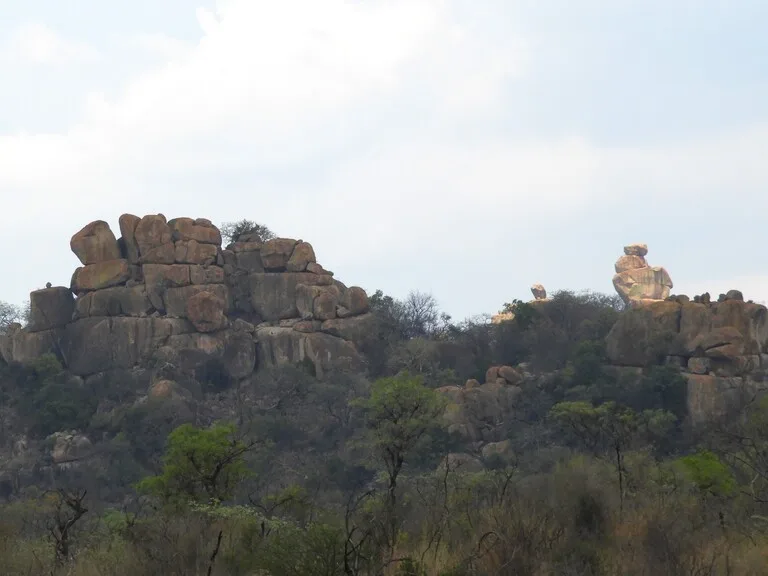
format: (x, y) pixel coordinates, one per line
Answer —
(166, 291)
(721, 347)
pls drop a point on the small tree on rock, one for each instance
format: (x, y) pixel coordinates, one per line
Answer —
(231, 231)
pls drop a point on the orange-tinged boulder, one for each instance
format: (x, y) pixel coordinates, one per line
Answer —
(95, 243)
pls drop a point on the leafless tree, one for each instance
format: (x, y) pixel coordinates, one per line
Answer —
(9, 313)
(68, 509)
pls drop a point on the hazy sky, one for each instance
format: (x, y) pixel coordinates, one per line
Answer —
(468, 148)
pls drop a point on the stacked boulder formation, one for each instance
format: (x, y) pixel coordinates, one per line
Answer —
(636, 281)
(166, 291)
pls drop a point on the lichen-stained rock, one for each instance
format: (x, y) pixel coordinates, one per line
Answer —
(23, 346)
(285, 346)
(355, 300)
(636, 250)
(635, 281)
(128, 224)
(101, 275)
(712, 397)
(201, 231)
(95, 243)
(316, 268)
(50, 308)
(723, 342)
(163, 254)
(94, 345)
(303, 254)
(158, 276)
(206, 274)
(194, 252)
(117, 301)
(629, 263)
(355, 329)
(316, 302)
(249, 261)
(151, 232)
(273, 295)
(275, 253)
(750, 319)
(206, 311)
(643, 284)
(325, 306)
(175, 299)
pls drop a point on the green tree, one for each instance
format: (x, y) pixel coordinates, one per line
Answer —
(400, 413)
(200, 464)
(708, 473)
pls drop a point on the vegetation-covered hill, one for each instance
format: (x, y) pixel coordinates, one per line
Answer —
(570, 466)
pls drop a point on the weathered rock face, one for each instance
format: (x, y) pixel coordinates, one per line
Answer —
(206, 311)
(95, 243)
(166, 290)
(635, 281)
(718, 345)
(50, 308)
(286, 346)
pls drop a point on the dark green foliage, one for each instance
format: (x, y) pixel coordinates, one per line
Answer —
(48, 398)
(231, 231)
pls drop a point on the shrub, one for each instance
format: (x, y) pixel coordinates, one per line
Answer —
(231, 231)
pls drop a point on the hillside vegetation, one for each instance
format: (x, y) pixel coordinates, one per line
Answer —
(430, 463)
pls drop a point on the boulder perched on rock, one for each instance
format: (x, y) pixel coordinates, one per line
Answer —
(95, 243)
(50, 308)
(637, 282)
(101, 275)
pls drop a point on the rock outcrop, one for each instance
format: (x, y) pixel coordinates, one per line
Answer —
(636, 281)
(166, 289)
(719, 345)
(538, 291)
(476, 410)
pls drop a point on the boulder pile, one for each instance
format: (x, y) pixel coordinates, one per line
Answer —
(636, 281)
(166, 290)
(720, 346)
(475, 411)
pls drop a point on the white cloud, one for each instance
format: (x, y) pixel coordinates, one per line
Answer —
(371, 101)
(36, 43)
(164, 47)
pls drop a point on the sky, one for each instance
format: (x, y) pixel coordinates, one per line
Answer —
(465, 148)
